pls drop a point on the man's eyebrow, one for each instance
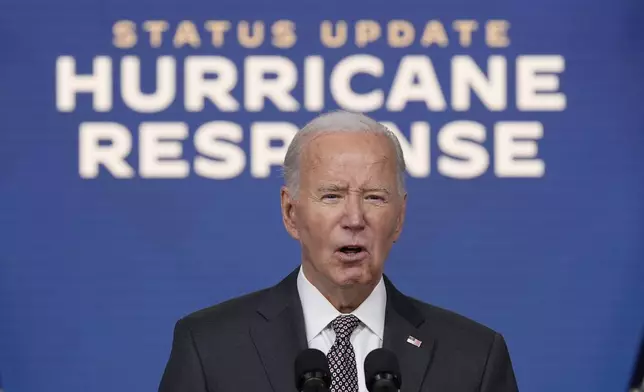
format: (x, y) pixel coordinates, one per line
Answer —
(332, 188)
(376, 189)
(338, 188)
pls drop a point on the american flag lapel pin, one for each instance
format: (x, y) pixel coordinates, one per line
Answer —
(414, 341)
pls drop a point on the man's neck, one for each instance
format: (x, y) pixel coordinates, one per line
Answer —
(345, 299)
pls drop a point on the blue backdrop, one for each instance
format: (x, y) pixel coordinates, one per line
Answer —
(103, 247)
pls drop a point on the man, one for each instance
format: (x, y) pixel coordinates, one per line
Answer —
(344, 200)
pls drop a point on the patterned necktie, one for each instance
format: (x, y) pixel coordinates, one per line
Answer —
(342, 358)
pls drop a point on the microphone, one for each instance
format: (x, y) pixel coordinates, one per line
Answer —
(382, 372)
(312, 373)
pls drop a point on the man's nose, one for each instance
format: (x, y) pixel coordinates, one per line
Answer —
(354, 214)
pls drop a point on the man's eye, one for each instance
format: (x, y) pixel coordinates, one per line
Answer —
(375, 197)
(330, 196)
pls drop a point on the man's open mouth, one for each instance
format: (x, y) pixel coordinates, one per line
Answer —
(351, 249)
(352, 252)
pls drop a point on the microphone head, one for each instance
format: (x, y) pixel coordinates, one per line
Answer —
(312, 371)
(382, 364)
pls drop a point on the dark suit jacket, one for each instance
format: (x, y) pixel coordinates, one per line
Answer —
(250, 344)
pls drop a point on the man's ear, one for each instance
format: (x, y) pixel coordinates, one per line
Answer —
(288, 212)
(400, 220)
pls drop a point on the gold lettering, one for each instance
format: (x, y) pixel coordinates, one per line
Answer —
(186, 34)
(217, 29)
(496, 33)
(156, 28)
(367, 31)
(124, 34)
(465, 29)
(283, 34)
(248, 40)
(400, 33)
(434, 33)
(329, 39)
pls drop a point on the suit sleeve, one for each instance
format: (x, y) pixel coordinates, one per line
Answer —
(499, 375)
(183, 371)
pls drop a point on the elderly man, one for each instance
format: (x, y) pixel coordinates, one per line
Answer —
(344, 200)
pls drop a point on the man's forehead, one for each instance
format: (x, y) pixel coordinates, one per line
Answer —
(331, 136)
(335, 146)
(373, 175)
(339, 159)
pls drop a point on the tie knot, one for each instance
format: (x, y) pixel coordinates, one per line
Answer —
(344, 325)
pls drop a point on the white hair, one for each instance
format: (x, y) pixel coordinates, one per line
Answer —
(337, 121)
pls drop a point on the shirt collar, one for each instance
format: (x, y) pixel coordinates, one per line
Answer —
(318, 311)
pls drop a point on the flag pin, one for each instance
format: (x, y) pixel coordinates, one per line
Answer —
(414, 341)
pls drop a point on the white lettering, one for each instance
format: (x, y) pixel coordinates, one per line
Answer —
(197, 87)
(405, 89)
(278, 89)
(473, 158)
(467, 75)
(92, 154)
(68, 84)
(416, 150)
(152, 150)
(537, 92)
(230, 158)
(131, 85)
(314, 83)
(263, 154)
(341, 83)
(507, 149)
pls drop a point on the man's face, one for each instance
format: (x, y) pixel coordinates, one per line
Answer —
(348, 210)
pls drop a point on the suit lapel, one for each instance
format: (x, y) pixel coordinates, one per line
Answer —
(403, 321)
(278, 321)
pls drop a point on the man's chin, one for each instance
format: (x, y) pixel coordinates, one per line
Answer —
(352, 276)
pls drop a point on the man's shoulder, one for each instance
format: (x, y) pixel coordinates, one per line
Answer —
(444, 318)
(454, 328)
(231, 315)
(227, 314)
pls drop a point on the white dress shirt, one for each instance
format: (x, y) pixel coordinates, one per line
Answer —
(318, 314)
